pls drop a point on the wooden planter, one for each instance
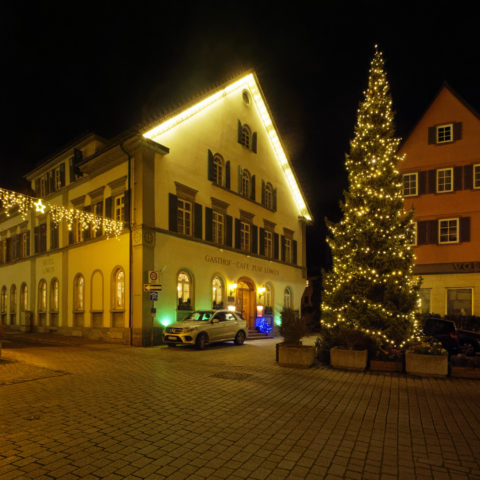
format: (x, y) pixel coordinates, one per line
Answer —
(426, 365)
(348, 359)
(386, 366)
(464, 372)
(301, 356)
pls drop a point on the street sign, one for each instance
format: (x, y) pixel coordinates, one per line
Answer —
(153, 276)
(153, 296)
(149, 287)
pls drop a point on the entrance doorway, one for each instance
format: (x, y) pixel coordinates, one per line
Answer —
(245, 302)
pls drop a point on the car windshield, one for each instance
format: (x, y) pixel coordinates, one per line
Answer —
(200, 316)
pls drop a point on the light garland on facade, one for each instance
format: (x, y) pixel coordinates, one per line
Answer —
(58, 213)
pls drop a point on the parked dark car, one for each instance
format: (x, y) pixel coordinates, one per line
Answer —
(454, 340)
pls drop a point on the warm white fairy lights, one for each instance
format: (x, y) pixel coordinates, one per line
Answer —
(23, 204)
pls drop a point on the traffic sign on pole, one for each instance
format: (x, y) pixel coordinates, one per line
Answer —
(149, 287)
(153, 276)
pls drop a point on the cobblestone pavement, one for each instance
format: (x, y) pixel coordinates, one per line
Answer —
(77, 409)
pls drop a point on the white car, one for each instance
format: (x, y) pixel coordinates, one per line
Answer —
(207, 326)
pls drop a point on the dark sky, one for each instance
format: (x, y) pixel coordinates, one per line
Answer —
(73, 67)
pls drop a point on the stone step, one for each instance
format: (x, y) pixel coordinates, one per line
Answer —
(254, 334)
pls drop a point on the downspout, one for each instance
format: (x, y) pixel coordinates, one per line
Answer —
(130, 246)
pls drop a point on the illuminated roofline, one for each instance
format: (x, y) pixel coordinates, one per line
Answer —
(248, 82)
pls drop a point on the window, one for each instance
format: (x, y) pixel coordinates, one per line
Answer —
(3, 300)
(184, 217)
(288, 298)
(119, 289)
(424, 300)
(268, 296)
(13, 299)
(54, 295)
(40, 233)
(218, 227)
(25, 244)
(246, 180)
(448, 230)
(42, 296)
(79, 293)
(459, 301)
(24, 297)
(268, 196)
(410, 182)
(288, 250)
(54, 235)
(245, 136)
(444, 133)
(119, 208)
(218, 170)
(476, 176)
(444, 180)
(268, 245)
(217, 292)
(184, 291)
(244, 237)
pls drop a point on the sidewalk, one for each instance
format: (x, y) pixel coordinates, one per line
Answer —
(86, 410)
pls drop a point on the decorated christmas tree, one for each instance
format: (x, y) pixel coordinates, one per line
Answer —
(371, 287)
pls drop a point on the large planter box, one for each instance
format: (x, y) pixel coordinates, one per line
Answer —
(348, 359)
(386, 366)
(464, 372)
(302, 356)
(426, 365)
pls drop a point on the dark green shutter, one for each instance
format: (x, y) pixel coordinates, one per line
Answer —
(208, 224)
(432, 231)
(457, 131)
(126, 205)
(275, 245)
(172, 212)
(422, 182)
(262, 241)
(252, 193)
(254, 142)
(237, 233)
(294, 252)
(28, 243)
(283, 248)
(239, 131)
(263, 193)
(18, 243)
(468, 176)
(227, 175)
(36, 239)
(108, 207)
(254, 239)
(211, 175)
(432, 135)
(71, 238)
(274, 199)
(197, 217)
(240, 172)
(457, 178)
(432, 181)
(421, 233)
(72, 170)
(465, 229)
(62, 174)
(43, 237)
(228, 230)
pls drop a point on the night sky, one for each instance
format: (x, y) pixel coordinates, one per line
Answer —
(76, 67)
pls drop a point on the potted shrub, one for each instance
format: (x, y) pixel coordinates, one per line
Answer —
(387, 359)
(291, 353)
(426, 357)
(463, 366)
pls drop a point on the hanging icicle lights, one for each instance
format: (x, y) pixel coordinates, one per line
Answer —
(58, 213)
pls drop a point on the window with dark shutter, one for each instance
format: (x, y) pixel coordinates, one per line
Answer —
(422, 233)
(294, 252)
(227, 174)
(262, 241)
(211, 175)
(208, 224)
(457, 178)
(254, 142)
(172, 212)
(252, 188)
(197, 219)
(422, 182)
(237, 233)
(468, 177)
(275, 246)
(228, 230)
(254, 239)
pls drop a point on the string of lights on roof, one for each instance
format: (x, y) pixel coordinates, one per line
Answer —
(25, 204)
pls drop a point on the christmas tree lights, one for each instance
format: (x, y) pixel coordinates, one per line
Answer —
(371, 287)
(23, 204)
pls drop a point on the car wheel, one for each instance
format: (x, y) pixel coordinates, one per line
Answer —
(239, 338)
(202, 341)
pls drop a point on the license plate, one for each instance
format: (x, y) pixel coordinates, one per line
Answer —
(171, 337)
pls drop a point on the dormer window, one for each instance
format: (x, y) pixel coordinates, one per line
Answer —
(444, 133)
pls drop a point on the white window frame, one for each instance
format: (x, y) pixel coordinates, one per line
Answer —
(184, 216)
(476, 178)
(218, 227)
(444, 188)
(459, 288)
(457, 230)
(410, 189)
(441, 133)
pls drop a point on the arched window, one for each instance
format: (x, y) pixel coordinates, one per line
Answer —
(3, 300)
(119, 289)
(184, 291)
(288, 298)
(23, 297)
(13, 304)
(217, 292)
(218, 169)
(42, 296)
(246, 136)
(54, 295)
(79, 293)
(246, 181)
(269, 196)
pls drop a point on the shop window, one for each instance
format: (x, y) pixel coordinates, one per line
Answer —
(288, 298)
(218, 292)
(184, 291)
(42, 302)
(424, 300)
(459, 301)
(268, 296)
(410, 184)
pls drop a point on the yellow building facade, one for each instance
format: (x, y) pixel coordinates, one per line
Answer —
(212, 214)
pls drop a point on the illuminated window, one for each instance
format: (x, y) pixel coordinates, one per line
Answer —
(288, 298)
(119, 289)
(448, 230)
(79, 293)
(184, 217)
(218, 227)
(444, 180)
(184, 291)
(24, 297)
(268, 243)
(54, 295)
(42, 296)
(444, 133)
(459, 301)
(218, 170)
(476, 176)
(119, 208)
(217, 292)
(246, 182)
(410, 181)
(245, 237)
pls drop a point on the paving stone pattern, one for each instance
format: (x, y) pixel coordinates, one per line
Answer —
(85, 410)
